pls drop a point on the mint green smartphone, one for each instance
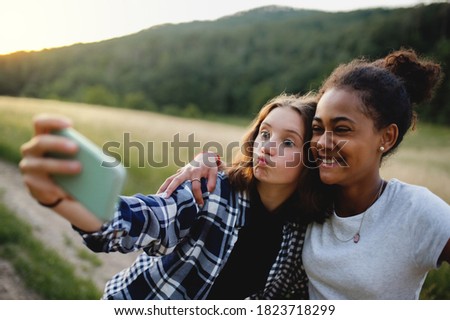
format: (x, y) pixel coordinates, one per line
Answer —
(101, 180)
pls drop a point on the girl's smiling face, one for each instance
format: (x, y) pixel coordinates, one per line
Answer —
(345, 142)
(277, 149)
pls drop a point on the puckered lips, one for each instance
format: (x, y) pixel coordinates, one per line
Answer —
(263, 161)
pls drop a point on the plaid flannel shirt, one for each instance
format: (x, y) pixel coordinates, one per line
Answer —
(185, 247)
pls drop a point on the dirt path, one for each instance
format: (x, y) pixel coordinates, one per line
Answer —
(53, 231)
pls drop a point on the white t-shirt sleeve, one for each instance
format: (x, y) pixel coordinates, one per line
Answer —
(432, 226)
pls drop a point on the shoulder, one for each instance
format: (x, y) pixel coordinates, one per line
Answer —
(414, 195)
(225, 189)
(403, 188)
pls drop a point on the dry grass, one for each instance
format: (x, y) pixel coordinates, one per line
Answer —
(422, 159)
(98, 118)
(104, 124)
(425, 166)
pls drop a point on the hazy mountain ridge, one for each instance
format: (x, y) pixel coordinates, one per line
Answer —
(231, 65)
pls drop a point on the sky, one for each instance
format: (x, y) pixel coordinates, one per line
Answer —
(30, 25)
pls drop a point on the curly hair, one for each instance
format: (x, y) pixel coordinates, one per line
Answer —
(389, 87)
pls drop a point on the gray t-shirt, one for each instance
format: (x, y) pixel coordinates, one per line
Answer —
(402, 236)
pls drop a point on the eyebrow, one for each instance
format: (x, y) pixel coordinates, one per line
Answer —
(286, 130)
(335, 120)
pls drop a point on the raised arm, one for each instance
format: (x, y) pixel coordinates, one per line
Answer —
(148, 222)
(204, 165)
(36, 170)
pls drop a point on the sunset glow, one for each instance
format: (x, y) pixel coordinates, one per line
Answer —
(35, 25)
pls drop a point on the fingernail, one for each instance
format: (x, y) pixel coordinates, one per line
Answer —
(74, 165)
(164, 195)
(71, 145)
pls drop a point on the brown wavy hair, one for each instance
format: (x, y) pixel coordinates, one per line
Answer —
(313, 196)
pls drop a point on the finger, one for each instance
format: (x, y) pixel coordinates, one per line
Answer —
(43, 189)
(47, 166)
(212, 179)
(164, 186)
(197, 192)
(174, 184)
(166, 183)
(45, 123)
(46, 143)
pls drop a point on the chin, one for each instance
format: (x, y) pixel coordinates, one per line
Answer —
(258, 173)
(328, 178)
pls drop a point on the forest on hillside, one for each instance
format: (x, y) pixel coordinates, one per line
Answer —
(232, 65)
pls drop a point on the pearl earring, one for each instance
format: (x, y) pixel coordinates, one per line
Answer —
(381, 149)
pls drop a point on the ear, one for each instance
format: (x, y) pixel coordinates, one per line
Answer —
(389, 136)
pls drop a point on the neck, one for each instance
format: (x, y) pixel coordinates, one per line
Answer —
(357, 198)
(273, 196)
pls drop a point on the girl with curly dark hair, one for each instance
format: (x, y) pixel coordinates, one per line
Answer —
(382, 236)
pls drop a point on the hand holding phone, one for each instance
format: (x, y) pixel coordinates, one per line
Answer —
(100, 181)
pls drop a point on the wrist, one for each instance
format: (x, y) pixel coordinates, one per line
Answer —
(51, 205)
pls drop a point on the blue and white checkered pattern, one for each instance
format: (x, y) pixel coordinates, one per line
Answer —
(185, 247)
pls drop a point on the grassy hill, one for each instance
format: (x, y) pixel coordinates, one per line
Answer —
(421, 160)
(231, 65)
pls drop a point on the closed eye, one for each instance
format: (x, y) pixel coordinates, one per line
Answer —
(317, 129)
(341, 129)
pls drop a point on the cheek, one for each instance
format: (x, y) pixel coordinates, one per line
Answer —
(248, 148)
(357, 156)
(313, 149)
(292, 173)
(352, 148)
(256, 145)
(293, 160)
(315, 139)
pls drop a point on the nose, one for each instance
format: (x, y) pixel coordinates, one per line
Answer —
(268, 147)
(325, 141)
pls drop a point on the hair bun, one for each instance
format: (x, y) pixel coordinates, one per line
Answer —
(420, 77)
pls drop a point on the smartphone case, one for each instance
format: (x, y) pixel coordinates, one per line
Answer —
(101, 180)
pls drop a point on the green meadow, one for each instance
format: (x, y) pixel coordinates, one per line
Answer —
(152, 146)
